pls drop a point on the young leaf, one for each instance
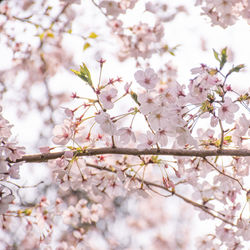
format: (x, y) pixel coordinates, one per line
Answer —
(236, 68)
(223, 57)
(134, 97)
(84, 74)
(93, 35)
(216, 55)
(86, 45)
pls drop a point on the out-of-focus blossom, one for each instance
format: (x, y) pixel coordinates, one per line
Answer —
(106, 123)
(126, 135)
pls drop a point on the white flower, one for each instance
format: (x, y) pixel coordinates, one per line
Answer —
(147, 79)
(106, 97)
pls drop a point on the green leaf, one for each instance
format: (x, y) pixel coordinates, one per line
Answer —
(236, 68)
(216, 55)
(84, 74)
(134, 97)
(223, 57)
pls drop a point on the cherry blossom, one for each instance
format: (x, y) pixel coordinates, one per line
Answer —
(146, 141)
(71, 216)
(5, 127)
(147, 78)
(62, 133)
(5, 200)
(162, 136)
(126, 135)
(105, 170)
(106, 97)
(157, 119)
(112, 8)
(106, 123)
(148, 103)
(227, 110)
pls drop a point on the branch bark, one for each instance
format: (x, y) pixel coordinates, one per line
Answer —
(133, 151)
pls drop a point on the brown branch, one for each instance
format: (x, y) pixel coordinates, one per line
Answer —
(134, 151)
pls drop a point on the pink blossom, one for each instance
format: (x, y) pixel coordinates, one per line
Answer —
(112, 8)
(68, 154)
(116, 25)
(244, 229)
(106, 97)
(112, 185)
(224, 234)
(5, 200)
(127, 87)
(184, 137)
(44, 150)
(126, 134)
(146, 141)
(14, 171)
(4, 128)
(151, 7)
(147, 78)
(161, 137)
(13, 152)
(227, 110)
(62, 133)
(223, 6)
(158, 119)
(241, 128)
(106, 123)
(203, 68)
(69, 113)
(148, 103)
(204, 243)
(70, 216)
(95, 212)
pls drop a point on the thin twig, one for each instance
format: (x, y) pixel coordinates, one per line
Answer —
(224, 173)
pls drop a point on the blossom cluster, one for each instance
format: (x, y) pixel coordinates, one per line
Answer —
(171, 113)
(9, 151)
(225, 12)
(206, 114)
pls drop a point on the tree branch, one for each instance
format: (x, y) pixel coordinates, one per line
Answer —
(134, 151)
